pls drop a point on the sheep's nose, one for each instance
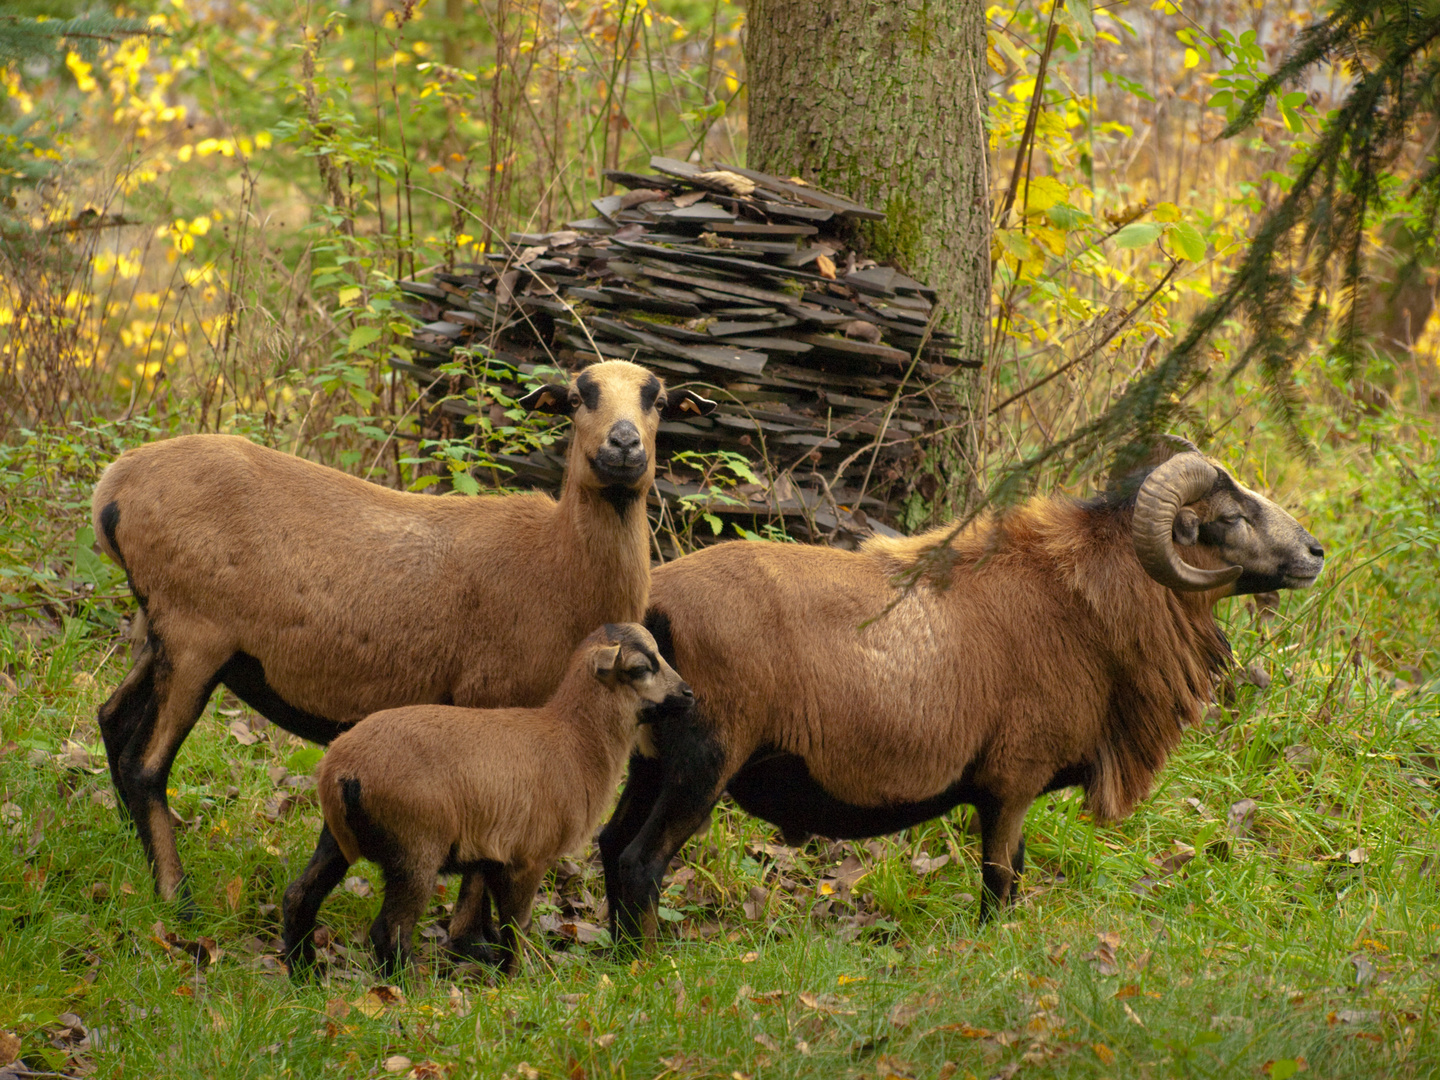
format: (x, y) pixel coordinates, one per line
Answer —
(1317, 550)
(623, 437)
(685, 690)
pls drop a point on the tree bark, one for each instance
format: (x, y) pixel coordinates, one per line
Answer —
(884, 101)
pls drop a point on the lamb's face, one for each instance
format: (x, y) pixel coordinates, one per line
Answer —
(1246, 529)
(617, 407)
(631, 658)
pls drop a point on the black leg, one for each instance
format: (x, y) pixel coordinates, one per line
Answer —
(183, 684)
(514, 889)
(642, 788)
(124, 712)
(1002, 852)
(303, 899)
(471, 930)
(684, 804)
(407, 891)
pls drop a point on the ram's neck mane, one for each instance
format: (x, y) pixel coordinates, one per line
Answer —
(1163, 649)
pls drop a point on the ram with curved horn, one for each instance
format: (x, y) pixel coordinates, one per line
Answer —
(1072, 644)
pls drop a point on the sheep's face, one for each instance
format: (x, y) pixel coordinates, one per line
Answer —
(1246, 529)
(631, 658)
(617, 407)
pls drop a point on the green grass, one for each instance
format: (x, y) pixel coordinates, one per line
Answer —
(1309, 929)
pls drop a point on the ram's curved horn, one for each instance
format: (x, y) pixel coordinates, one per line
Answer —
(1182, 479)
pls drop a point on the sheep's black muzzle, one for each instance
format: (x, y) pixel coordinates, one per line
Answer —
(621, 459)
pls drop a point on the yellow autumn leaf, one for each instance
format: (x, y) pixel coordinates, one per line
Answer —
(1192, 58)
(1165, 212)
(1043, 192)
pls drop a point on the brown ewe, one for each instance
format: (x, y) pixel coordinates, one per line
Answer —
(495, 794)
(319, 598)
(1071, 645)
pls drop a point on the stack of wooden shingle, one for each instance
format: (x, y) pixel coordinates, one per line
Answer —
(825, 365)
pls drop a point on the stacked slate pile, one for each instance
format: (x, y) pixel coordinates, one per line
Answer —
(730, 280)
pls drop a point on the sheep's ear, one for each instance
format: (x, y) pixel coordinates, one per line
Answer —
(1187, 527)
(606, 662)
(551, 398)
(682, 403)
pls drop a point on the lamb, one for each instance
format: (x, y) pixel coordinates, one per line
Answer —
(1072, 644)
(495, 794)
(319, 598)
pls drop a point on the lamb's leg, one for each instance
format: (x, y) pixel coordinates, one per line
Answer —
(637, 801)
(303, 899)
(183, 680)
(1002, 852)
(124, 712)
(514, 889)
(408, 889)
(471, 930)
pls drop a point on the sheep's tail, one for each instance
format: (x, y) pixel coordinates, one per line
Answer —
(105, 512)
(340, 803)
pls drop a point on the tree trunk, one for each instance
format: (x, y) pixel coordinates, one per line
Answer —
(883, 101)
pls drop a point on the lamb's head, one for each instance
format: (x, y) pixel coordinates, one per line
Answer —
(1234, 536)
(624, 654)
(616, 407)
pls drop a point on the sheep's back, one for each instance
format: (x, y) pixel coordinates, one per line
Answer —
(896, 710)
(353, 597)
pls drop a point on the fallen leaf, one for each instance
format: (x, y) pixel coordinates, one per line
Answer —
(1132, 1015)
(923, 864)
(1104, 955)
(9, 1047)
(1240, 819)
(825, 266)
(768, 1043)
(826, 1003)
(1104, 1053)
(359, 886)
(242, 733)
(337, 1008)
(750, 957)
(889, 1067)
(903, 1013)
(1179, 855)
(1354, 1016)
(233, 889)
(375, 1000)
(605, 1040)
(396, 1063)
(754, 906)
(1127, 990)
(433, 1070)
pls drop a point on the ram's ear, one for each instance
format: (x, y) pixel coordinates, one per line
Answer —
(607, 663)
(551, 398)
(682, 403)
(1186, 529)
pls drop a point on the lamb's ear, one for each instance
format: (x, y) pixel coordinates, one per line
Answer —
(607, 661)
(682, 403)
(551, 398)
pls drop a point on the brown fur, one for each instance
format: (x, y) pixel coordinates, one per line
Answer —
(1049, 657)
(496, 793)
(354, 598)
